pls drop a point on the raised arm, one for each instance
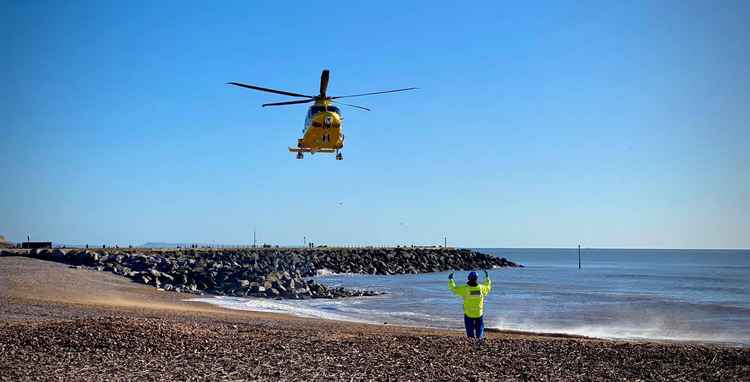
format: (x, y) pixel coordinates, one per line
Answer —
(486, 284)
(452, 286)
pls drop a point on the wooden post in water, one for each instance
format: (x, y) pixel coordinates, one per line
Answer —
(579, 256)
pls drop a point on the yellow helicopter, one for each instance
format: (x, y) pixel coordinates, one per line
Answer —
(323, 125)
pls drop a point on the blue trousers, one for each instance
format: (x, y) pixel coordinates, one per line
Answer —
(474, 326)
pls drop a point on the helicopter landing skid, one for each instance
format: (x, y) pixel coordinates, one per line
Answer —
(300, 150)
(308, 150)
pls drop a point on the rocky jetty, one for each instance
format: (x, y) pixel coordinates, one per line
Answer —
(268, 272)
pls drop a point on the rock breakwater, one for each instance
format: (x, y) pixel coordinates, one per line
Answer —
(267, 272)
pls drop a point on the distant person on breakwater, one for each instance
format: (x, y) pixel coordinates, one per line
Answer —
(473, 294)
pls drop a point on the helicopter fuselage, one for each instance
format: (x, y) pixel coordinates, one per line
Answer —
(323, 129)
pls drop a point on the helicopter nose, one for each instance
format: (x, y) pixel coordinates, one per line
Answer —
(329, 120)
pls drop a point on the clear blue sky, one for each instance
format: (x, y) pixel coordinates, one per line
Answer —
(612, 124)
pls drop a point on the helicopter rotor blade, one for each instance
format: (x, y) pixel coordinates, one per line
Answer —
(269, 90)
(366, 94)
(324, 82)
(347, 104)
(288, 102)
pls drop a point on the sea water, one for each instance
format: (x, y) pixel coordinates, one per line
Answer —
(679, 295)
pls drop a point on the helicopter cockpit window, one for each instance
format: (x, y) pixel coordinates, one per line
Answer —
(318, 109)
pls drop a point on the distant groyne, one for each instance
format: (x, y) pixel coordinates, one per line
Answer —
(266, 272)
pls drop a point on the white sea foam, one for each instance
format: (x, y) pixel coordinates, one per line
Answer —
(324, 272)
(340, 310)
(652, 328)
(300, 308)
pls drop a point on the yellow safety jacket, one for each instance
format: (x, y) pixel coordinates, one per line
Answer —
(473, 296)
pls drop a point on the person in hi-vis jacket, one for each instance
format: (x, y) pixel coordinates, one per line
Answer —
(473, 294)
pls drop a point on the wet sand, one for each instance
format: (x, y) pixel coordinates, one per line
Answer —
(62, 323)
